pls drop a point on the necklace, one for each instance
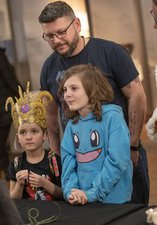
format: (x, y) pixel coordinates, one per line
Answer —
(84, 41)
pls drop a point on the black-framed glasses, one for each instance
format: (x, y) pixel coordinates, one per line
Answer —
(154, 17)
(59, 35)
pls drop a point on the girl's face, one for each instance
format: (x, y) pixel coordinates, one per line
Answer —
(75, 96)
(30, 136)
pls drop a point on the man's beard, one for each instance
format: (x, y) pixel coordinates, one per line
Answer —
(72, 47)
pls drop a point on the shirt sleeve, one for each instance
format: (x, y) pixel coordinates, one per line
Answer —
(11, 173)
(43, 78)
(122, 66)
(69, 176)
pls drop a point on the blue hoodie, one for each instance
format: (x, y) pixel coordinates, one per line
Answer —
(96, 157)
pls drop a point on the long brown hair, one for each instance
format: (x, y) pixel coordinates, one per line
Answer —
(96, 86)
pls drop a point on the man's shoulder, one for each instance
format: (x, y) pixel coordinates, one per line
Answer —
(103, 42)
(51, 58)
(50, 65)
(103, 46)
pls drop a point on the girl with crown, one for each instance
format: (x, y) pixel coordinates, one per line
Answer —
(36, 173)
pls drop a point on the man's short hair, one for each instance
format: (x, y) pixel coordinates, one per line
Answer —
(55, 10)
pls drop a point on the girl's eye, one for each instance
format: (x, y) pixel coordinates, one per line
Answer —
(22, 132)
(94, 138)
(74, 88)
(35, 131)
(76, 140)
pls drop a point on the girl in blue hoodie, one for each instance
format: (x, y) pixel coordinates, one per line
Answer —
(95, 149)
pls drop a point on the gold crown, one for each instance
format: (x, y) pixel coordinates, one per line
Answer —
(30, 107)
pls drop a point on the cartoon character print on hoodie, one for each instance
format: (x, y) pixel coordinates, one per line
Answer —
(96, 157)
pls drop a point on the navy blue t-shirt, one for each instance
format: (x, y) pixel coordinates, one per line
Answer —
(111, 58)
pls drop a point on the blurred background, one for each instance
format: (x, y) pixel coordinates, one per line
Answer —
(126, 22)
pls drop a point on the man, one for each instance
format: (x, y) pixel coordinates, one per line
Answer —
(153, 12)
(61, 31)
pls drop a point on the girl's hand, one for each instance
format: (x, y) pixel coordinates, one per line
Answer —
(36, 180)
(77, 197)
(22, 177)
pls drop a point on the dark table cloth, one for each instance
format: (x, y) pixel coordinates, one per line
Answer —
(90, 214)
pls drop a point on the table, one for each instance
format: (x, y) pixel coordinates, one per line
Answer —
(90, 214)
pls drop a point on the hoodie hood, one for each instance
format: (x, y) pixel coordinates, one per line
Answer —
(105, 109)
